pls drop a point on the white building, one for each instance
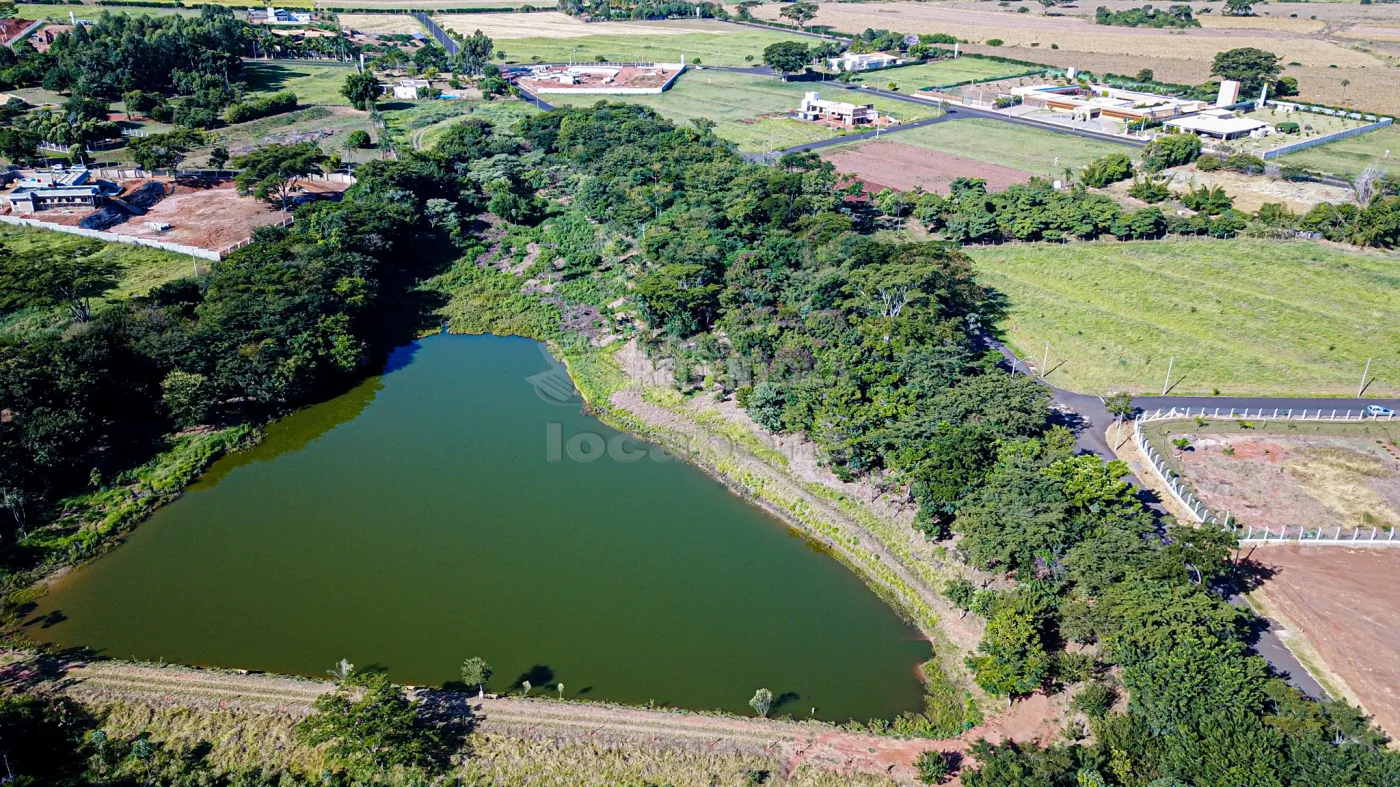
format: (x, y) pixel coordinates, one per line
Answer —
(850, 61)
(1219, 124)
(841, 113)
(406, 88)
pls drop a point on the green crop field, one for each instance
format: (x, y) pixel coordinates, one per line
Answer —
(909, 79)
(735, 102)
(728, 47)
(1348, 157)
(1019, 147)
(314, 82)
(1246, 317)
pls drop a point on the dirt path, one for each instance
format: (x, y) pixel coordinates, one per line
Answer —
(789, 743)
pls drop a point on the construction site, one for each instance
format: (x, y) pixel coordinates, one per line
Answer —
(600, 78)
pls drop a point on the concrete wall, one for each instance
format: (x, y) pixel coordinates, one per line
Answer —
(112, 237)
(1323, 140)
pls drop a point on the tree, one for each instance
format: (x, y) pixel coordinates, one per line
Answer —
(1120, 405)
(1012, 660)
(475, 672)
(1107, 169)
(362, 88)
(762, 702)
(1048, 4)
(799, 12)
(1171, 150)
(1239, 8)
(1345, 84)
(8, 9)
(962, 593)
(164, 151)
(787, 57)
(887, 289)
(218, 157)
(69, 277)
(475, 52)
(358, 139)
(1249, 66)
(271, 172)
(367, 726)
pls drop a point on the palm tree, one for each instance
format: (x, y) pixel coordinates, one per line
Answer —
(1345, 84)
(342, 671)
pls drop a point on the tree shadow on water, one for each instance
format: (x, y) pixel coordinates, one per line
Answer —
(786, 698)
(540, 675)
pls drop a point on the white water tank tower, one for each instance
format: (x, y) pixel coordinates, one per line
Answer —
(1229, 93)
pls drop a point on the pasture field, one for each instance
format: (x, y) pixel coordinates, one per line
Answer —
(420, 124)
(555, 38)
(141, 269)
(910, 79)
(1039, 152)
(1347, 157)
(1246, 317)
(735, 102)
(314, 81)
(327, 126)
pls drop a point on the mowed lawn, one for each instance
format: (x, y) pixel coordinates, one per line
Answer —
(909, 79)
(735, 102)
(1347, 157)
(727, 47)
(314, 82)
(1246, 317)
(1044, 153)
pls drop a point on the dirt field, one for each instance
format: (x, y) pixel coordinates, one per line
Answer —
(1311, 476)
(381, 23)
(1251, 191)
(1345, 606)
(211, 219)
(552, 24)
(901, 167)
(1345, 41)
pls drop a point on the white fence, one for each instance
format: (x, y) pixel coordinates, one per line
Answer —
(112, 237)
(1323, 140)
(1335, 536)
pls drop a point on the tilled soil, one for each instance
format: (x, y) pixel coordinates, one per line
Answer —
(902, 167)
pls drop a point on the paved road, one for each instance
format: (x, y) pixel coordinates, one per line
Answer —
(1090, 419)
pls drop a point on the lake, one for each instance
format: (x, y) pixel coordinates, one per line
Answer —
(451, 508)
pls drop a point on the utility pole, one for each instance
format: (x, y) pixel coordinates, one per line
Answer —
(1045, 364)
(1364, 374)
(1168, 382)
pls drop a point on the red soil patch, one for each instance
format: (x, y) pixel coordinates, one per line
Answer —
(1346, 603)
(206, 218)
(903, 167)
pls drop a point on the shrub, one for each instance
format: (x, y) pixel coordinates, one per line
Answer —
(994, 42)
(275, 104)
(1107, 169)
(1207, 200)
(1171, 150)
(1149, 190)
(1245, 163)
(1208, 163)
(1094, 700)
(359, 138)
(933, 766)
(1287, 128)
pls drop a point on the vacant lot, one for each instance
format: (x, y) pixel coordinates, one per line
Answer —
(555, 38)
(1345, 606)
(209, 218)
(329, 126)
(737, 102)
(419, 124)
(903, 167)
(1249, 191)
(1347, 157)
(313, 82)
(1242, 316)
(1070, 38)
(381, 23)
(1039, 152)
(943, 73)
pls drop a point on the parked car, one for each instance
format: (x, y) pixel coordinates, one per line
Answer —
(1377, 410)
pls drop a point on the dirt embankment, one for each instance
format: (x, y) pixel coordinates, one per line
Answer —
(788, 744)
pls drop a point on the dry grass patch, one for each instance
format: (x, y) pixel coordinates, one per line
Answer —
(381, 23)
(552, 24)
(1303, 26)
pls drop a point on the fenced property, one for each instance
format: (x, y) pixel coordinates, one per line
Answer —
(1256, 534)
(1323, 140)
(112, 237)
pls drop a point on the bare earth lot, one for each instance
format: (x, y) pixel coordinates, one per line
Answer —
(1290, 479)
(902, 167)
(213, 218)
(1345, 604)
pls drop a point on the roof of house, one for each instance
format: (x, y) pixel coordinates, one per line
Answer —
(1213, 123)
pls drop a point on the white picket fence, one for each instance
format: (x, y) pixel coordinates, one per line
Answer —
(1252, 534)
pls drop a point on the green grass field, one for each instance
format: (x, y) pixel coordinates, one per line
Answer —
(1020, 147)
(1348, 157)
(1247, 317)
(722, 48)
(735, 102)
(427, 121)
(142, 268)
(293, 127)
(313, 82)
(910, 79)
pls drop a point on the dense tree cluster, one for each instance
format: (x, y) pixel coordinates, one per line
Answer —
(1033, 211)
(1147, 16)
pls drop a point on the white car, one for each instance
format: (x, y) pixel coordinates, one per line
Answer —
(1377, 410)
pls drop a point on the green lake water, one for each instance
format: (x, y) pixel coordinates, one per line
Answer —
(436, 512)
